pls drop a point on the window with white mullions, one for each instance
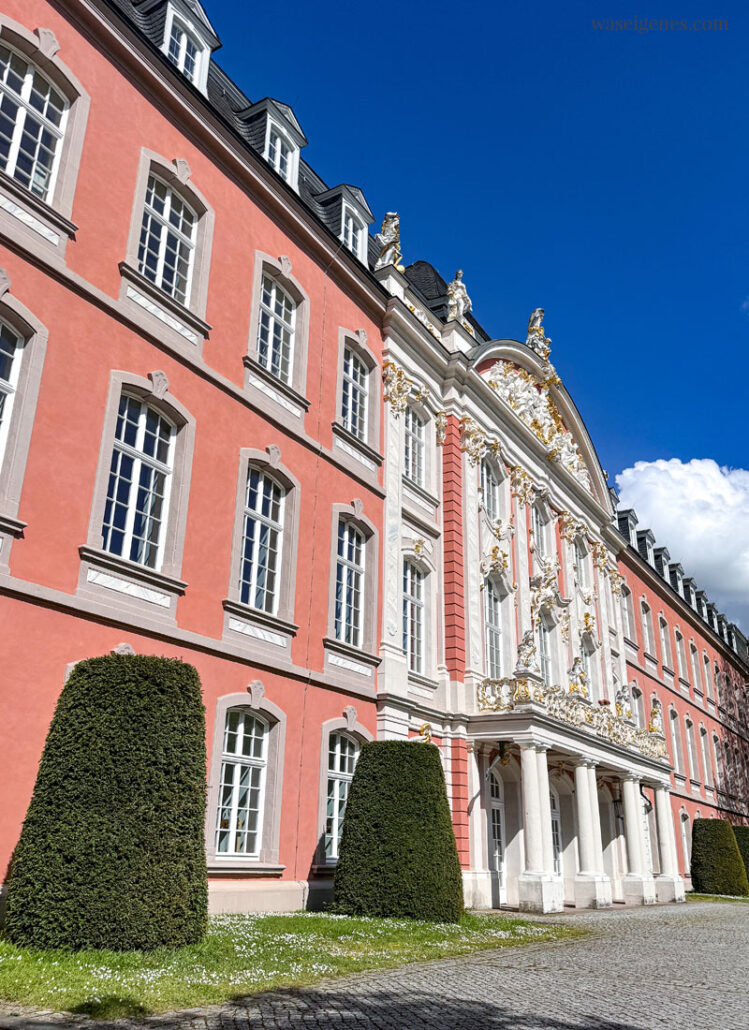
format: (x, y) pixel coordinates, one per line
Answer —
(279, 154)
(413, 463)
(184, 51)
(556, 833)
(354, 394)
(261, 542)
(166, 250)
(242, 785)
(275, 335)
(349, 584)
(352, 232)
(539, 533)
(497, 809)
(489, 490)
(343, 753)
(413, 616)
(135, 512)
(492, 630)
(544, 650)
(10, 351)
(32, 124)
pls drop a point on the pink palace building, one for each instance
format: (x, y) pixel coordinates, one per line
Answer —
(237, 430)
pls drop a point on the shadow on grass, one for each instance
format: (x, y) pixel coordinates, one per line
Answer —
(111, 1006)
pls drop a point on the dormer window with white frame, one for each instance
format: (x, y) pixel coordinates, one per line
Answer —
(353, 232)
(188, 42)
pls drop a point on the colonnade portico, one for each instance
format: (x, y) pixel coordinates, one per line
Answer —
(571, 861)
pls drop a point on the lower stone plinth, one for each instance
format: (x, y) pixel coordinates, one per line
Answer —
(477, 888)
(592, 890)
(638, 890)
(540, 892)
(669, 888)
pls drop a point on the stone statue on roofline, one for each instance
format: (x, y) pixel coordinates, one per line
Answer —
(388, 239)
(458, 301)
(537, 339)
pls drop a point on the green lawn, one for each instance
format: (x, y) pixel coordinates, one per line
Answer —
(715, 897)
(243, 954)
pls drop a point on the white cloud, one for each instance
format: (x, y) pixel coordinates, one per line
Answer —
(700, 512)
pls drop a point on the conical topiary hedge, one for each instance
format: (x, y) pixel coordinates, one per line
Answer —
(112, 852)
(741, 833)
(398, 855)
(717, 867)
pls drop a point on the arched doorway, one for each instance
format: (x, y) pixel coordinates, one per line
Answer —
(497, 844)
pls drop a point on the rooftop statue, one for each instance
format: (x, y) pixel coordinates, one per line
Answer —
(537, 339)
(459, 303)
(536, 319)
(388, 240)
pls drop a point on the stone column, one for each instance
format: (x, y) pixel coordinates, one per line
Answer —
(639, 886)
(477, 889)
(545, 805)
(538, 889)
(669, 885)
(592, 885)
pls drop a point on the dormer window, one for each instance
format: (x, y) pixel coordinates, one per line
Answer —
(184, 51)
(353, 233)
(279, 153)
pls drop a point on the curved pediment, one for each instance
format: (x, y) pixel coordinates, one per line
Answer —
(528, 384)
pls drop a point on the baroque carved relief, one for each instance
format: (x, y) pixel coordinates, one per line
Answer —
(399, 388)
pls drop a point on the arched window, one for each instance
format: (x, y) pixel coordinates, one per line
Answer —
(556, 832)
(490, 490)
(137, 503)
(492, 629)
(694, 660)
(638, 708)
(33, 115)
(184, 51)
(497, 826)
(11, 346)
(628, 615)
(413, 616)
(581, 564)
(543, 635)
(262, 537)
(681, 659)
(694, 768)
(349, 586)
(716, 683)
(706, 763)
(166, 250)
(676, 748)
(720, 778)
(343, 752)
(276, 326)
(539, 534)
(665, 646)
(686, 842)
(413, 458)
(647, 628)
(241, 802)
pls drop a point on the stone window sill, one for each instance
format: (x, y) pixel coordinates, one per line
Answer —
(11, 527)
(270, 632)
(139, 292)
(242, 866)
(420, 493)
(421, 680)
(107, 575)
(358, 449)
(271, 386)
(35, 214)
(342, 657)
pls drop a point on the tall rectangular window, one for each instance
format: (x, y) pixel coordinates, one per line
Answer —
(680, 655)
(539, 537)
(32, 124)
(242, 784)
(352, 232)
(343, 753)
(354, 394)
(10, 349)
(261, 542)
(413, 464)
(489, 490)
(493, 630)
(166, 249)
(184, 51)
(706, 763)
(581, 563)
(694, 768)
(544, 651)
(134, 524)
(279, 153)
(665, 649)
(628, 617)
(695, 667)
(275, 333)
(413, 616)
(647, 629)
(349, 584)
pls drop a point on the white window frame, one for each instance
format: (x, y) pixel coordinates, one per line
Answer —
(353, 232)
(182, 34)
(268, 488)
(338, 783)
(350, 586)
(666, 658)
(556, 832)
(694, 660)
(676, 742)
(706, 763)
(414, 449)
(355, 394)
(414, 615)
(490, 490)
(240, 762)
(276, 139)
(279, 354)
(497, 825)
(152, 219)
(638, 708)
(538, 524)
(203, 58)
(141, 461)
(646, 617)
(694, 765)
(9, 386)
(680, 654)
(543, 638)
(26, 111)
(627, 604)
(493, 657)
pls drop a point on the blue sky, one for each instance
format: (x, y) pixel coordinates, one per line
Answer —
(599, 174)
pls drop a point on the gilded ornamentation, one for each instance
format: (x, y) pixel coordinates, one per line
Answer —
(472, 440)
(440, 424)
(616, 579)
(424, 319)
(521, 485)
(389, 242)
(527, 651)
(564, 626)
(623, 702)
(589, 623)
(600, 554)
(578, 685)
(398, 388)
(495, 562)
(656, 718)
(425, 732)
(419, 546)
(569, 526)
(545, 587)
(529, 398)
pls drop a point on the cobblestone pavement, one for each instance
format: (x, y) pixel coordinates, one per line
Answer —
(679, 967)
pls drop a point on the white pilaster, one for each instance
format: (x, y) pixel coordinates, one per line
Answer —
(477, 888)
(592, 885)
(539, 889)
(669, 884)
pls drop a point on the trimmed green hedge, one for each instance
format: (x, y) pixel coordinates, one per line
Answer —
(398, 855)
(112, 853)
(717, 867)
(741, 833)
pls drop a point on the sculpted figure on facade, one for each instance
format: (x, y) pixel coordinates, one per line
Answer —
(388, 240)
(623, 702)
(536, 338)
(656, 718)
(458, 302)
(527, 651)
(578, 678)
